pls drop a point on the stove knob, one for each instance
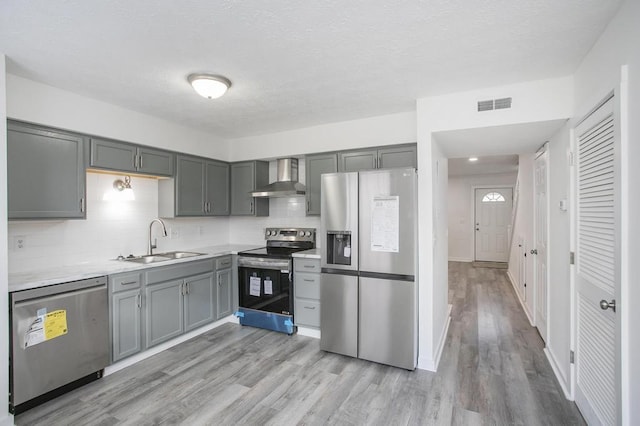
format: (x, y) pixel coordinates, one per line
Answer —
(268, 232)
(301, 233)
(307, 234)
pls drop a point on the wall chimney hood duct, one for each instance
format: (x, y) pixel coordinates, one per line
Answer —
(287, 184)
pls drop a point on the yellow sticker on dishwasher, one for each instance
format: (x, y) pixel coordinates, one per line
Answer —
(55, 324)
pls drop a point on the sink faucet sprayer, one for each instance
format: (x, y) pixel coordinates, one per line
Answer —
(164, 233)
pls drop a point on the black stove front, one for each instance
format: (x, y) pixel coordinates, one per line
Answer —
(265, 277)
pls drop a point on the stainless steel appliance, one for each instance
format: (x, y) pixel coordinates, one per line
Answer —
(368, 294)
(60, 340)
(265, 279)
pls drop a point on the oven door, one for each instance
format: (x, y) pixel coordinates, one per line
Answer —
(265, 284)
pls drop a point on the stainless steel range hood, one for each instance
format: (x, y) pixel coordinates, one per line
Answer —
(287, 184)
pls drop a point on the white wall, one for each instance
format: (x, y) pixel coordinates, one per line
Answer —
(38, 103)
(111, 228)
(5, 417)
(559, 280)
(523, 231)
(381, 130)
(599, 73)
(461, 210)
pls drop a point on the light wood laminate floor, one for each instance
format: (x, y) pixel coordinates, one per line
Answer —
(493, 371)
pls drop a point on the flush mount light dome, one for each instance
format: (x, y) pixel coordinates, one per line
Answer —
(209, 86)
(472, 159)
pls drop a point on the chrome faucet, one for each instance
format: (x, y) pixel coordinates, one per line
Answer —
(164, 233)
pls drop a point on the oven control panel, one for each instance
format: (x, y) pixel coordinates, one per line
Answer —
(290, 234)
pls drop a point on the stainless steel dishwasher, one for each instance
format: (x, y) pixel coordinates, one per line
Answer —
(60, 340)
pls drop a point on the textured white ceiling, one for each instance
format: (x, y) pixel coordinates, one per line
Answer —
(292, 64)
(484, 165)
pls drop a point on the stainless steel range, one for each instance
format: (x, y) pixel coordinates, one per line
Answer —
(265, 279)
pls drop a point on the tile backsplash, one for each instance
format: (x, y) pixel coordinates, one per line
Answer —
(121, 227)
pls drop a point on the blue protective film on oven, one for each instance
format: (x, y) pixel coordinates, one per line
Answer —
(266, 320)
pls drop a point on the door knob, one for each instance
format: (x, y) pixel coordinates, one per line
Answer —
(604, 305)
(534, 251)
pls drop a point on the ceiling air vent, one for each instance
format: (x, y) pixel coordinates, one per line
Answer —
(485, 105)
(503, 103)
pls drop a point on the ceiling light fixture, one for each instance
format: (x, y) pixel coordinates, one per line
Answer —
(472, 159)
(209, 86)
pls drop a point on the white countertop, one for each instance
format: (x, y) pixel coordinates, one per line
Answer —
(65, 273)
(309, 254)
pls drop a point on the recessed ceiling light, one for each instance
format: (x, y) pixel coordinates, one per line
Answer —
(473, 158)
(209, 86)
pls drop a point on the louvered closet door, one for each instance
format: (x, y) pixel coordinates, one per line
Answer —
(597, 266)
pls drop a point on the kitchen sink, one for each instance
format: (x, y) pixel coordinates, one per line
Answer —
(148, 259)
(162, 257)
(179, 254)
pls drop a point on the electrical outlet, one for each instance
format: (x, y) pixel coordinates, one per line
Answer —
(19, 242)
(173, 233)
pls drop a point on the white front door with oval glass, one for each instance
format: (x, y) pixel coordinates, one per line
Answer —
(492, 215)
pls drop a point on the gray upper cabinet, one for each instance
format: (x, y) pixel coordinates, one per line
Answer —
(45, 173)
(217, 188)
(125, 157)
(354, 161)
(200, 188)
(189, 186)
(315, 166)
(246, 177)
(387, 157)
(394, 157)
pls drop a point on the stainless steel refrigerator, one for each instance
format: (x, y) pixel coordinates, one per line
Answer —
(368, 293)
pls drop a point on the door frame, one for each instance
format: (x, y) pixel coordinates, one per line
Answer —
(544, 149)
(473, 214)
(620, 111)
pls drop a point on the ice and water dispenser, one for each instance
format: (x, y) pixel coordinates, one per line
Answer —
(339, 248)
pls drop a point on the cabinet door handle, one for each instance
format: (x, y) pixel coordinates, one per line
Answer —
(139, 161)
(129, 282)
(308, 205)
(82, 205)
(251, 206)
(309, 281)
(139, 300)
(379, 165)
(309, 266)
(309, 307)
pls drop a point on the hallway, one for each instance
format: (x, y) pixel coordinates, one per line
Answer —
(493, 371)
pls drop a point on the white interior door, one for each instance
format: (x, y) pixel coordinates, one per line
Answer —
(540, 251)
(493, 214)
(597, 267)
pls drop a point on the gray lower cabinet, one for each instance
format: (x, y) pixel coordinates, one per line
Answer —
(45, 173)
(315, 166)
(245, 178)
(125, 292)
(200, 188)
(378, 158)
(199, 301)
(126, 157)
(224, 292)
(164, 317)
(306, 289)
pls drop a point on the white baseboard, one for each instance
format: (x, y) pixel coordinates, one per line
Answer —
(524, 305)
(556, 370)
(431, 364)
(460, 259)
(309, 332)
(166, 345)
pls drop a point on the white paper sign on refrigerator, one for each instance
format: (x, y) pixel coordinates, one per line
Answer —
(385, 223)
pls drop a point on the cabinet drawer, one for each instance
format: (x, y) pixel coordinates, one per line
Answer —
(307, 265)
(181, 270)
(307, 285)
(307, 312)
(223, 262)
(125, 281)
